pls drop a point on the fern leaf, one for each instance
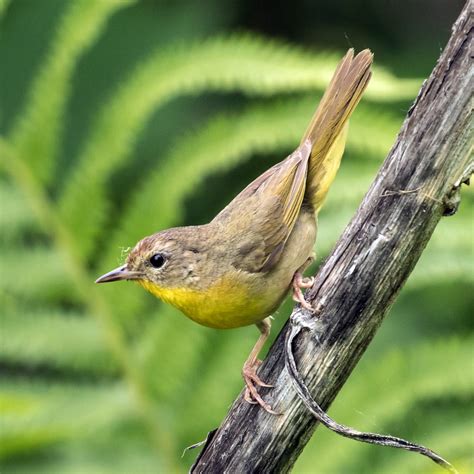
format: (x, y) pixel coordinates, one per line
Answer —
(383, 88)
(37, 416)
(455, 442)
(94, 458)
(67, 342)
(37, 131)
(15, 218)
(432, 422)
(167, 334)
(3, 7)
(38, 273)
(219, 384)
(436, 423)
(436, 269)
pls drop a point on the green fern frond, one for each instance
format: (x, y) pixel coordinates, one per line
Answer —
(83, 457)
(420, 422)
(37, 131)
(430, 422)
(401, 378)
(81, 282)
(372, 131)
(36, 273)
(439, 371)
(247, 64)
(167, 334)
(68, 342)
(15, 217)
(3, 7)
(352, 181)
(383, 88)
(36, 416)
(454, 442)
(218, 384)
(436, 269)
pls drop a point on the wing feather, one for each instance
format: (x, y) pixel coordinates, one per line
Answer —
(262, 216)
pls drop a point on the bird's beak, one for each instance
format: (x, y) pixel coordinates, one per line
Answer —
(120, 273)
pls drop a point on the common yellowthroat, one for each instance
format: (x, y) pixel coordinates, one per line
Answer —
(236, 270)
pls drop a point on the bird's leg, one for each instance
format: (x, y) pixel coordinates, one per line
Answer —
(249, 370)
(300, 282)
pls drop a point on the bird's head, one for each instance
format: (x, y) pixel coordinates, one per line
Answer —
(168, 259)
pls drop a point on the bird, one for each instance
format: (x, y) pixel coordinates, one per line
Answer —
(237, 269)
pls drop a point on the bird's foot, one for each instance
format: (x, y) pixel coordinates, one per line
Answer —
(251, 379)
(301, 282)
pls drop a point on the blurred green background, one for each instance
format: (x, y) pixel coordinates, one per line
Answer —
(121, 118)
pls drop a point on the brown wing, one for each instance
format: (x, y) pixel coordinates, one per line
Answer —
(260, 219)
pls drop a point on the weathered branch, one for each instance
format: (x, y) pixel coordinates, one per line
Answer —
(418, 183)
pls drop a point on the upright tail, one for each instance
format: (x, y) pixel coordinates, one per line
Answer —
(327, 130)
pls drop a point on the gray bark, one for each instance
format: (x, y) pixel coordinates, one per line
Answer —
(418, 183)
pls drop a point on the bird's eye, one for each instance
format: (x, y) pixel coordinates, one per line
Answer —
(157, 260)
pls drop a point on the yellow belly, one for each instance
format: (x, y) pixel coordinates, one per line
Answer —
(226, 304)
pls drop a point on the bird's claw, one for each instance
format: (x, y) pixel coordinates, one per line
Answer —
(300, 282)
(306, 282)
(251, 379)
(248, 397)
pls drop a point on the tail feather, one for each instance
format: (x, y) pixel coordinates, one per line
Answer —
(328, 128)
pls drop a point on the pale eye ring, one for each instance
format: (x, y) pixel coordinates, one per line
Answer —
(157, 260)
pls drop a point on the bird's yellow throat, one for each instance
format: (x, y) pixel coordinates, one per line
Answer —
(207, 307)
